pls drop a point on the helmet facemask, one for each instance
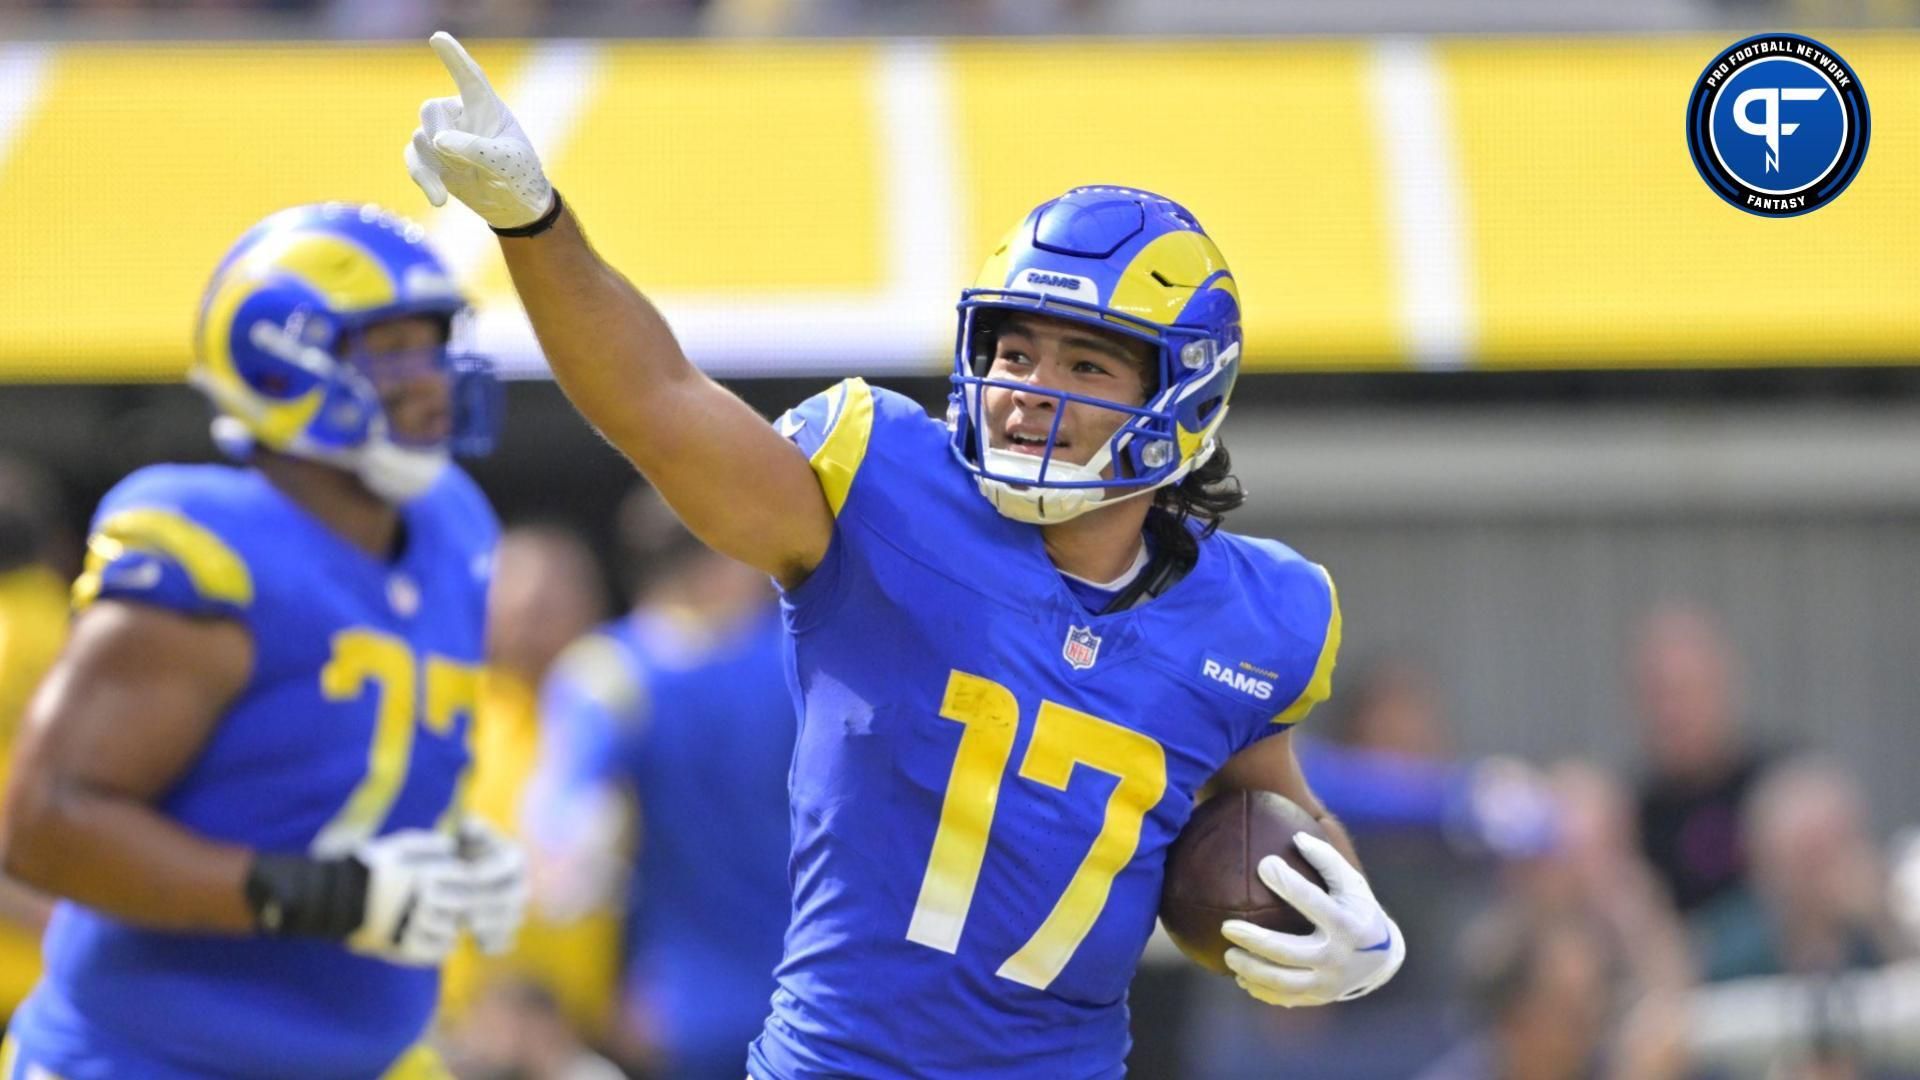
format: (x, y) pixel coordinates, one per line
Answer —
(1142, 454)
(352, 428)
(1122, 262)
(395, 463)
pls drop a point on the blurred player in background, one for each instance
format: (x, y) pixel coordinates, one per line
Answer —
(1385, 764)
(681, 707)
(243, 775)
(547, 591)
(978, 843)
(33, 624)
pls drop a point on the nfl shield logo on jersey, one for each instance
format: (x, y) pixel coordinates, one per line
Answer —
(1082, 647)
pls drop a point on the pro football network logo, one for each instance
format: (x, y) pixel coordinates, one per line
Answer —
(1778, 125)
(1082, 647)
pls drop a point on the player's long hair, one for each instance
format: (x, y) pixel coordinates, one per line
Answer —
(1207, 494)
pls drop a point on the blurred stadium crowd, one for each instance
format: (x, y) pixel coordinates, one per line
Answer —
(364, 19)
(1721, 907)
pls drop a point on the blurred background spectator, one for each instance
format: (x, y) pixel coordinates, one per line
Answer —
(1822, 982)
(504, 18)
(516, 1031)
(1699, 763)
(1597, 872)
(1816, 901)
(37, 559)
(547, 591)
(1548, 1000)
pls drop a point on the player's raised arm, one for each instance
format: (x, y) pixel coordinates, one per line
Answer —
(742, 488)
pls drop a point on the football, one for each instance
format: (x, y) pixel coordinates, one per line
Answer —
(1212, 872)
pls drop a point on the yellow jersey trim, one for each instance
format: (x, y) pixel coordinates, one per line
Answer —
(1320, 686)
(217, 571)
(420, 1062)
(838, 459)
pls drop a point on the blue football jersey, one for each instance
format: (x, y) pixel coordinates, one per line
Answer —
(354, 723)
(698, 727)
(987, 775)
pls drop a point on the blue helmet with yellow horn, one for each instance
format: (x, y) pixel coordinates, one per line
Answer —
(1125, 261)
(273, 344)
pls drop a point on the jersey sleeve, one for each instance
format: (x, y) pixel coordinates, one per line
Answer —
(833, 428)
(147, 546)
(1310, 615)
(857, 439)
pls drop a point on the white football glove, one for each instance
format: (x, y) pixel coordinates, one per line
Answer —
(498, 869)
(472, 147)
(1354, 949)
(418, 891)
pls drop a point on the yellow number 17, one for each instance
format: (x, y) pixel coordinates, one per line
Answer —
(1062, 738)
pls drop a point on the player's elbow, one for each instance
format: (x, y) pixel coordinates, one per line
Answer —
(30, 829)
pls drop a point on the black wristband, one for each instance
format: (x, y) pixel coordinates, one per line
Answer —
(294, 896)
(537, 225)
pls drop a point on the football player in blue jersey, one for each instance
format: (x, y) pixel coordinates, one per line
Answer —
(681, 706)
(1007, 705)
(243, 775)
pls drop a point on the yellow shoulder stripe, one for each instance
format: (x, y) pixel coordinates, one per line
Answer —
(420, 1062)
(1320, 686)
(9, 1057)
(845, 447)
(217, 571)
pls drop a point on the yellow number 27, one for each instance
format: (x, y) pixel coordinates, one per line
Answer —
(1062, 738)
(367, 660)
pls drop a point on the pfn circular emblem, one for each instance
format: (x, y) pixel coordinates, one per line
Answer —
(1778, 125)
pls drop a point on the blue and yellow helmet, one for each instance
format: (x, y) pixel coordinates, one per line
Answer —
(1125, 261)
(271, 344)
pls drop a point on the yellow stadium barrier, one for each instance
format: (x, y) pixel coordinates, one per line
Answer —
(815, 207)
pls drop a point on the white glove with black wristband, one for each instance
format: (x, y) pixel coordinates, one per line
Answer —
(472, 148)
(402, 897)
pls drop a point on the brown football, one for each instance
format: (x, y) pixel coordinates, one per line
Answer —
(1212, 871)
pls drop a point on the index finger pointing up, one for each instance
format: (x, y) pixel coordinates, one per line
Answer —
(474, 88)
